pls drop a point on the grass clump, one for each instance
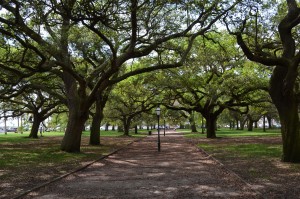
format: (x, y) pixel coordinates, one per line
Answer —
(243, 151)
(19, 152)
(235, 133)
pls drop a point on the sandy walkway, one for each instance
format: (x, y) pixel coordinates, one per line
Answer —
(180, 170)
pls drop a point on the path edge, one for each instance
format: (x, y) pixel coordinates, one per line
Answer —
(231, 172)
(75, 170)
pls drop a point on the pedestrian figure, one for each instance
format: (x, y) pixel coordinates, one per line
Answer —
(41, 130)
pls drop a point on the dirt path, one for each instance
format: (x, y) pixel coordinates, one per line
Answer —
(180, 170)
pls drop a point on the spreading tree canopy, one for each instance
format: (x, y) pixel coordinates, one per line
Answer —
(269, 35)
(87, 43)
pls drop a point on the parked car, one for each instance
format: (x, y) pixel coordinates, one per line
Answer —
(13, 129)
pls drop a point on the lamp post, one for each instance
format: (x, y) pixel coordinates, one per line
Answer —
(5, 127)
(158, 135)
(164, 127)
(202, 126)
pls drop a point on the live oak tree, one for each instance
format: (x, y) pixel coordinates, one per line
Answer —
(272, 40)
(272, 115)
(129, 99)
(252, 76)
(97, 116)
(23, 90)
(237, 118)
(192, 121)
(186, 115)
(148, 119)
(226, 119)
(210, 98)
(121, 31)
(212, 81)
(254, 114)
(175, 117)
(38, 104)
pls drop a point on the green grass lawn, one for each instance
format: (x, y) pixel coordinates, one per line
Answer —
(243, 150)
(233, 133)
(17, 150)
(141, 133)
(255, 156)
(237, 148)
(18, 138)
(27, 162)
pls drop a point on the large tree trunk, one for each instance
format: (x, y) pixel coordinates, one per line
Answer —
(242, 123)
(269, 121)
(283, 82)
(237, 125)
(250, 125)
(126, 124)
(181, 126)
(95, 130)
(193, 128)
(287, 106)
(106, 126)
(232, 125)
(290, 131)
(120, 128)
(283, 85)
(96, 124)
(35, 127)
(211, 127)
(202, 124)
(255, 124)
(72, 139)
(264, 123)
(290, 136)
(192, 122)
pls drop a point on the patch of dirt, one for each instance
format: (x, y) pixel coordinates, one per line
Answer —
(21, 178)
(270, 176)
(179, 170)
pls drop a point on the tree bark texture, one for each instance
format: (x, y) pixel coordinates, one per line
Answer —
(211, 122)
(287, 106)
(96, 124)
(255, 124)
(269, 122)
(34, 129)
(120, 128)
(192, 122)
(237, 125)
(283, 86)
(78, 114)
(193, 128)
(37, 120)
(126, 125)
(250, 125)
(72, 139)
(106, 126)
(243, 122)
